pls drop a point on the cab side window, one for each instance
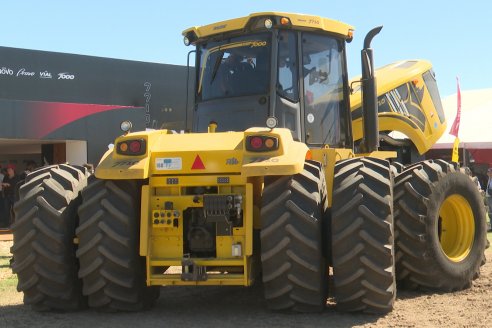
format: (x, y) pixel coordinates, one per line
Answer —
(323, 89)
(287, 66)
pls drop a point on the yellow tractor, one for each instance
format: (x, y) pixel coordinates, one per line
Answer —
(270, 186)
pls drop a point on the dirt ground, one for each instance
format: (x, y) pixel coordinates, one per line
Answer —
(244, 307)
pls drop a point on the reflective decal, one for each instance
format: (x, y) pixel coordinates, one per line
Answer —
(198, 164)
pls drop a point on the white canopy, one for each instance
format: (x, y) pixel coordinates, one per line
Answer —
(475, 130)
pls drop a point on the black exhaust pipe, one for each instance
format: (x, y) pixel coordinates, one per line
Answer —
(370, 142)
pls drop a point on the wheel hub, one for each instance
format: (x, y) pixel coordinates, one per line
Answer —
(457, 228)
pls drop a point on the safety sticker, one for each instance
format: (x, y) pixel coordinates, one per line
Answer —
(171, 163)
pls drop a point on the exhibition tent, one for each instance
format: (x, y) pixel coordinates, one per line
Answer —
(475, 132)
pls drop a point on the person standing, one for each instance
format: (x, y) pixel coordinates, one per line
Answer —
(8, 185)
(3, 216)
(30, 166)
(488, 190)
(488, 194)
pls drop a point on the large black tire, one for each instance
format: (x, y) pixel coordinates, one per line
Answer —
(44, 231)
(441, 229)
(397, 168)
(294, 269)
(363, 239)
(112, 271)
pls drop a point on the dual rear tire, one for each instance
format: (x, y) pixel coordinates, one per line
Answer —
(104, 271)
(44, 231)
(295, 250)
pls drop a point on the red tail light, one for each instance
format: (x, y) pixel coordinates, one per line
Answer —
(131, 147)
(261, 143)
(135, 146)
(256, 142)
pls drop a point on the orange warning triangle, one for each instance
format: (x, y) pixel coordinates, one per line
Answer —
(198, 164)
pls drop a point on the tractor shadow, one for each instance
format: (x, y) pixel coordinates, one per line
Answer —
(203, 306)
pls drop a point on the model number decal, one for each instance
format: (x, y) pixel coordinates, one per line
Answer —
(169, 163)
(255, 44)
(125, 163)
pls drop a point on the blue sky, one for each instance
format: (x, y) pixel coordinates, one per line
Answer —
(454, 35)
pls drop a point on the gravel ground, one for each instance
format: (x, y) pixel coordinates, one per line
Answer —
(244, 307)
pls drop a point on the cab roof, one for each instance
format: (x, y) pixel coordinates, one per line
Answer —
(295, 21)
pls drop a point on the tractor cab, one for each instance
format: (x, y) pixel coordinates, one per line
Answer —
(274, 65)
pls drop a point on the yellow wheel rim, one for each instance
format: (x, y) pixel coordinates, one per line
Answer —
(457, 228)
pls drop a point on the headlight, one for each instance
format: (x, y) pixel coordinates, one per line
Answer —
(126, 126)
(271, 122)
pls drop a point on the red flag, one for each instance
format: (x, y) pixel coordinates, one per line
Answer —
(456, 124)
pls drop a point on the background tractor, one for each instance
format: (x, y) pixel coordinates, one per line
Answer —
(410, 114)
(269, 186)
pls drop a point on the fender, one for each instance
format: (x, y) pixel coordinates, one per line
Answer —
(288, 160)
(115, 166)
(213, 148)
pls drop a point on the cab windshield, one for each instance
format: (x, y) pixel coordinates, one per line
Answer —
(234, 67)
